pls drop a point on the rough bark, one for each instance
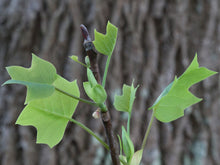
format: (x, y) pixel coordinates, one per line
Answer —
(157, 39)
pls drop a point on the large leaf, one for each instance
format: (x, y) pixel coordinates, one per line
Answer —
(125, 102)
(50, 115)
(176, 97)
(105, 44)
(38, 78)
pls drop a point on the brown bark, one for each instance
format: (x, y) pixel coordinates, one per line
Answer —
(157, 39)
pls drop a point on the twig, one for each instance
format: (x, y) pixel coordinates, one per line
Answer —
(106, 119)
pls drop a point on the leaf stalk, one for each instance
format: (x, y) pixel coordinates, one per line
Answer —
(106, 71)
(148, 131)
(75, 97)
(90, 132)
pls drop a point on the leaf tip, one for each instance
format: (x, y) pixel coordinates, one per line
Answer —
(7, 68)
(95, 32)
(5, 83)
(109, 24)
(196, 55)
(34, 57)
(33, 54)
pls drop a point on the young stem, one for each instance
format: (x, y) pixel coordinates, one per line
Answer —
(75, 97)
(90, 132)
(128, 124)
(106, 71)
(148, 131)
(82, 64)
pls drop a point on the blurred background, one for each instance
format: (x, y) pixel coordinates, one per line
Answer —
(157, 39)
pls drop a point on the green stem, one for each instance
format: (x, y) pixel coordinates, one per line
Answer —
(106, 71)
(103, 107)
(90, 132)
(77, 98)
(128, 124)
(148, 131)
(82, 64)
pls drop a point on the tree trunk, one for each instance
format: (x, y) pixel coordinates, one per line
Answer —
(157, 39)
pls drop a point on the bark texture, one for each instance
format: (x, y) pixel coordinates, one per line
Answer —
(157, 39)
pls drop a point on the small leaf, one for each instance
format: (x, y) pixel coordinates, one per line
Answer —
(87, 61)
(38, 78)
(75, 58)
(136, 159)
(105, 44)
(127, 144)
(50, 115)
(123, 160)
(176, 97)
(125, 102)
(96, 93)
(91, 78)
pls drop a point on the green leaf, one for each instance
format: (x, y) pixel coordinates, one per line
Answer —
(105, 44)
(96, 93)
(123, 160)
(50, 115)
(87, 61)
(136, 159)
(38, 78)
(127, 144)
(91, 78)
(125, 102)
(176, 97)
(120, 144)
(75, 58)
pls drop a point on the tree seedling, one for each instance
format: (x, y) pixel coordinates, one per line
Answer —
(51, 100)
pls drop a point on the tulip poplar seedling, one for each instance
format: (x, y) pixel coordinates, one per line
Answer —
(51, 100)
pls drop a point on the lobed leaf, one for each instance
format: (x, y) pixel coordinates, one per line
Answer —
(105, 44)
(125, 102)
(50, 115)
(38, 78)
(176, 97)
